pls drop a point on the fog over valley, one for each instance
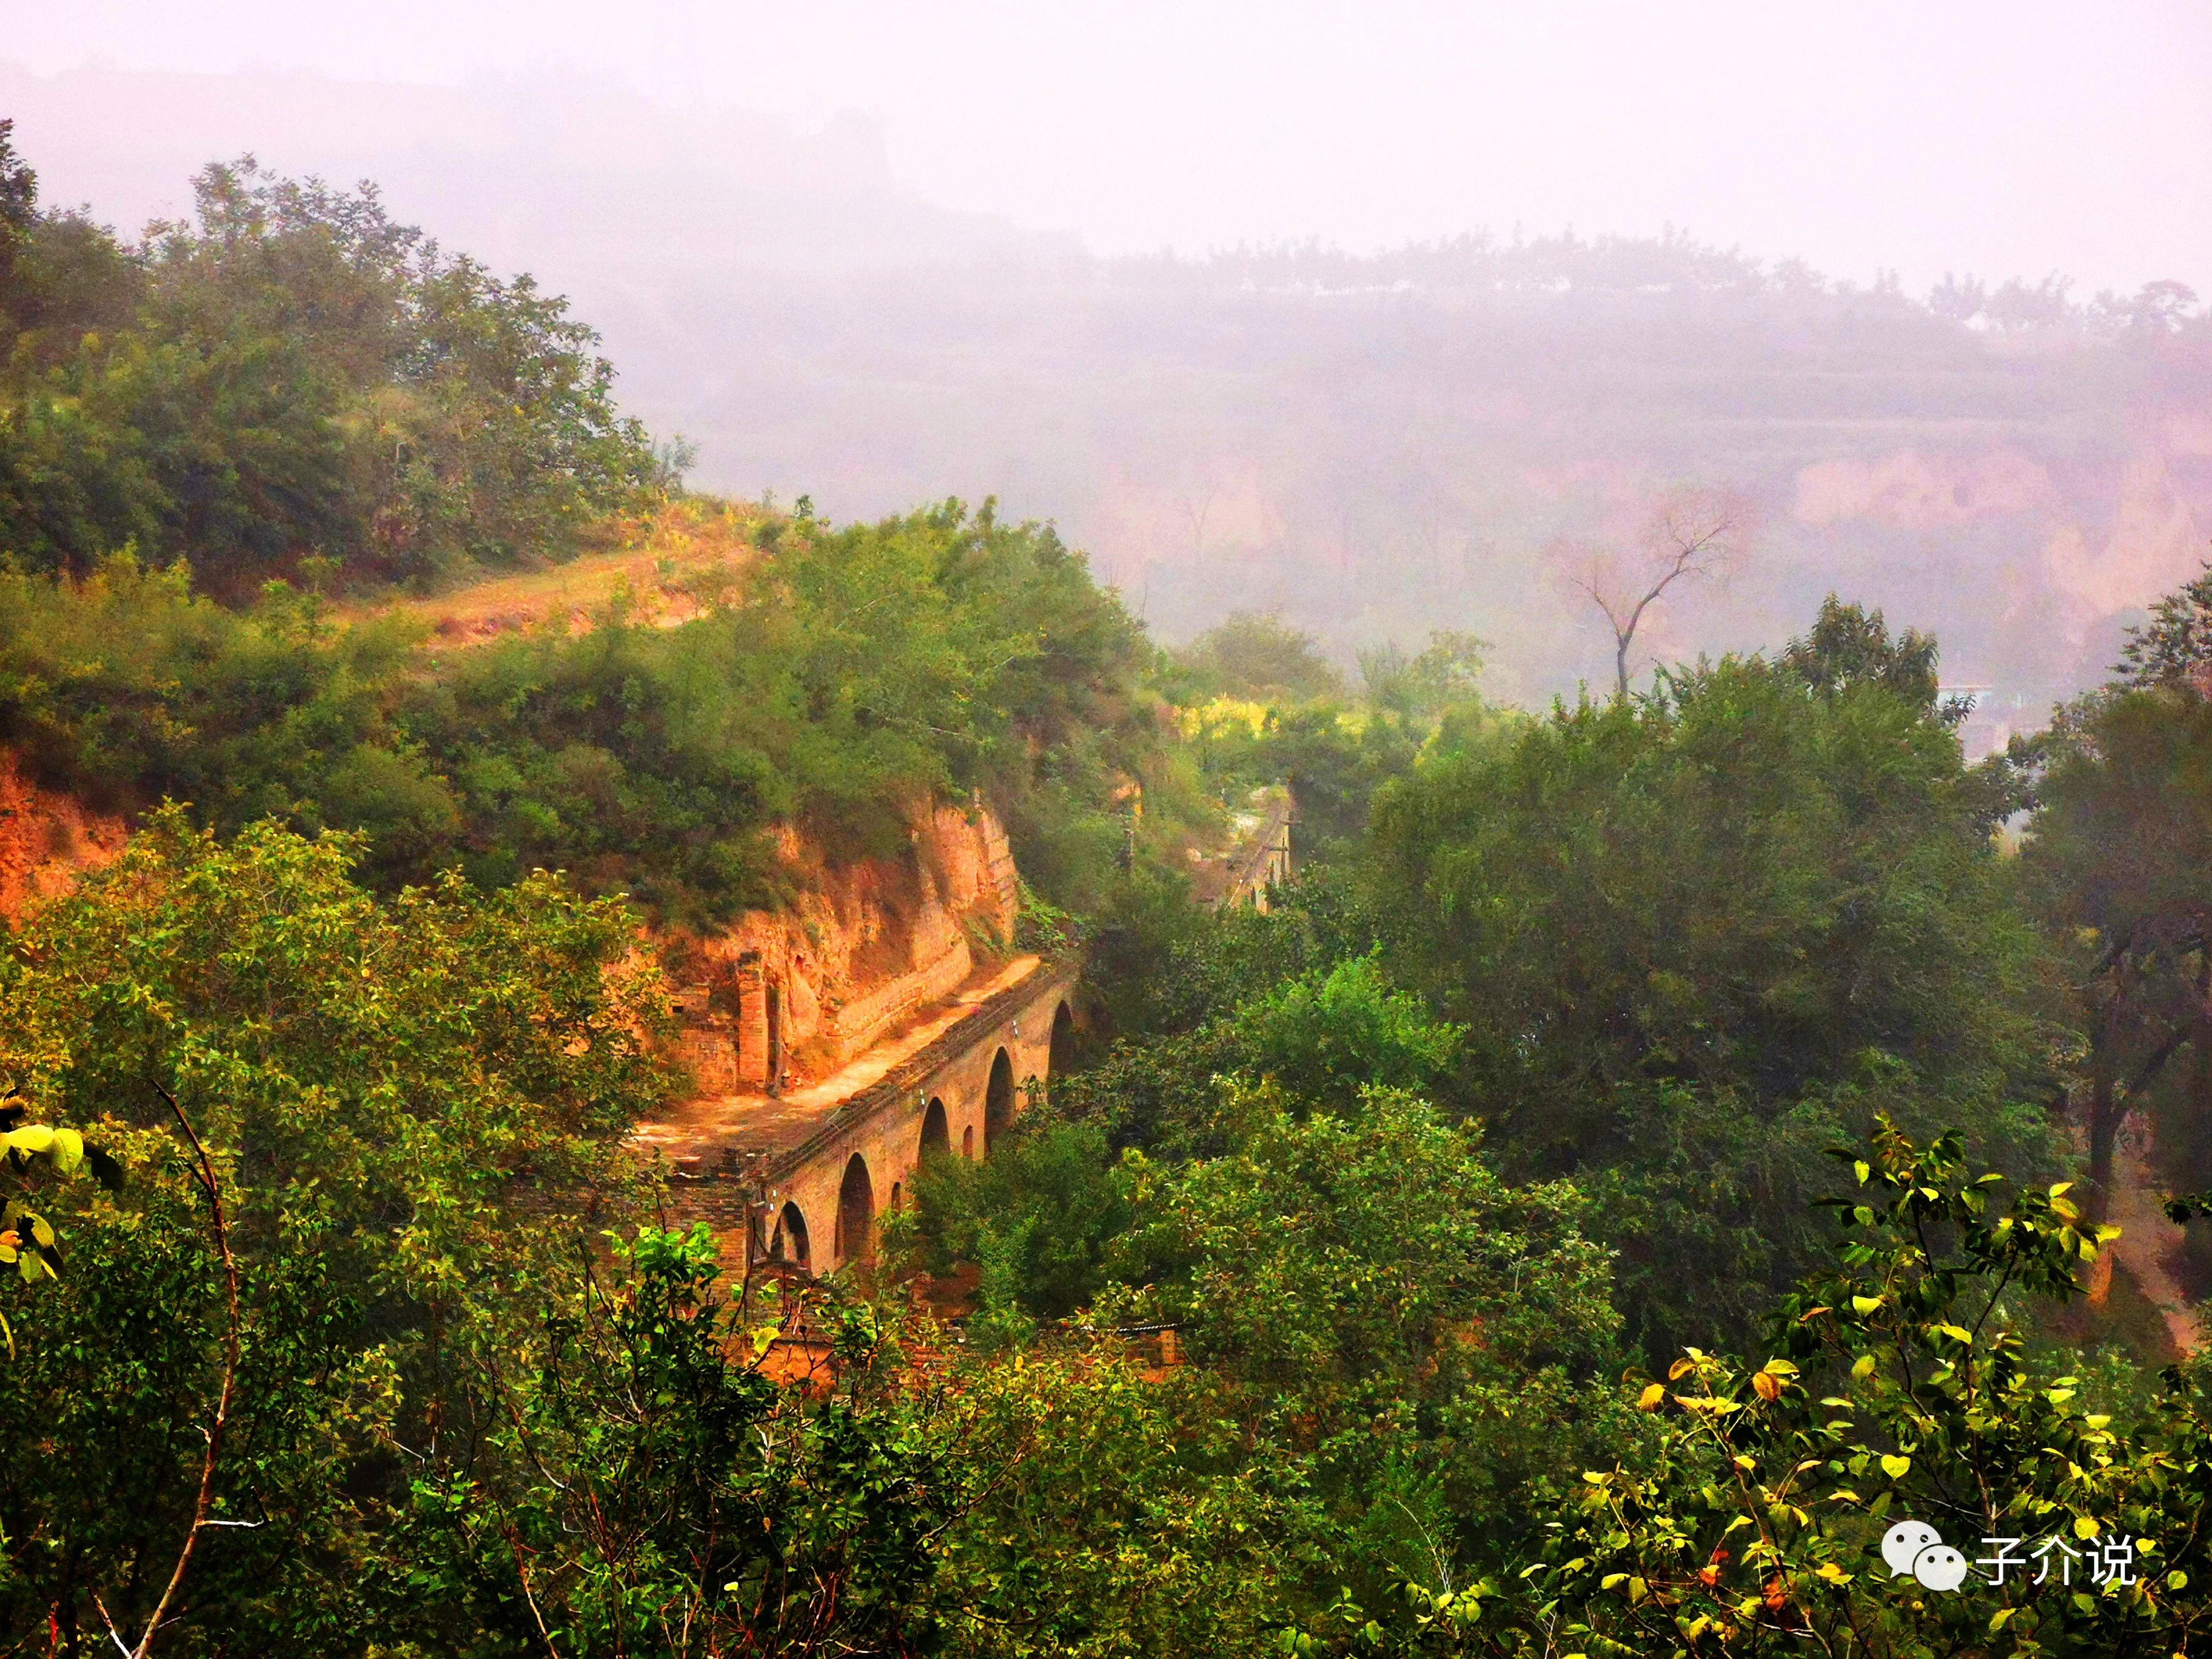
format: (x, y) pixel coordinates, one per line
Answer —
(1375, 444)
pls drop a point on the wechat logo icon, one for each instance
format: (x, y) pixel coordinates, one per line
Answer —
(1913, 1547)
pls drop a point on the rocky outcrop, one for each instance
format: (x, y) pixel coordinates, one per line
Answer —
(45, 841)
(789, 994)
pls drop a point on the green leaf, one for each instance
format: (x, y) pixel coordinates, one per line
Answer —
(68, 1151)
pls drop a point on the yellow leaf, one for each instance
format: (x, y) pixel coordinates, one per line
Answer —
(2084, 1527)
(1652, 1398)
(1894, 1467)
(1766, 1386)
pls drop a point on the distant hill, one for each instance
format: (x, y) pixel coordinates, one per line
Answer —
(1376, 446)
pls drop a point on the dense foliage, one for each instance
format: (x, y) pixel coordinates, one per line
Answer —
(291, 382)
(853, 673)
(382, 1083)
(1899, 1389)
(1696, 937)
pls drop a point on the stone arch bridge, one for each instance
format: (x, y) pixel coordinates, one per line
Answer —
(802, 1178)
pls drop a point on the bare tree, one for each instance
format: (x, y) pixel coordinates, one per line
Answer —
(1197, 509)
(1689, 535)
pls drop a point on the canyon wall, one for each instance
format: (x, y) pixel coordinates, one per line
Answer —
(788, 995)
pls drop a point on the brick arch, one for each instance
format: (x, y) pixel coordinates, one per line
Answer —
(856, 1214)
(998, 1100)
(1060, 1056)
(936, 1133)
(790, 1243)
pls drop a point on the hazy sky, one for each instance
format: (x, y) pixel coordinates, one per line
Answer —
(2010, 138)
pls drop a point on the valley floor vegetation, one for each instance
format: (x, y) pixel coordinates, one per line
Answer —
(1653, 1144)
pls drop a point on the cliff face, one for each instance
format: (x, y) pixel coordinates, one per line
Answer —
(785, 996)
(781, 997)
(45, 841)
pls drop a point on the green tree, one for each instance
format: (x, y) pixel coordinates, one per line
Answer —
(1387, 1305)
(1850, 646)
(653, 1490)
(2176, 642)
(1898, 1385)
(2115, 856)
(1111, 1514)
(412, 1109)
(1255, 654)
(1424, 685)
(1737, 890)
(1037, 1217)
(19, 206)
(288, 375)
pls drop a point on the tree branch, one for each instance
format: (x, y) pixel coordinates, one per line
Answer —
(212, 1186)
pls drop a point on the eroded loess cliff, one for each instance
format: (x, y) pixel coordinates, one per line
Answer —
(778, 999)
(784, 997)
(45, 839)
